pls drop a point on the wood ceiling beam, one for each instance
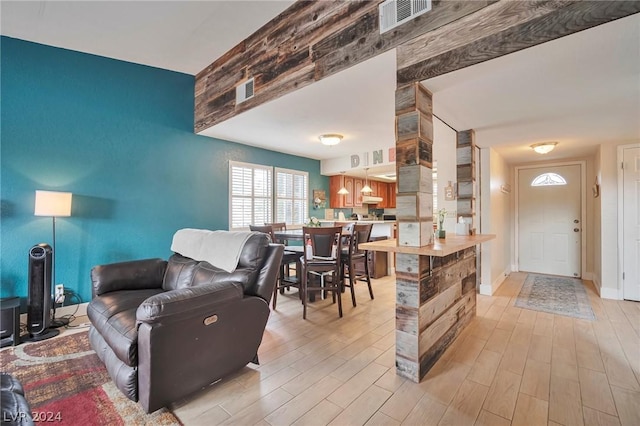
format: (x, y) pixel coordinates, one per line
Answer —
(500, 29)
(312, 40)
(309, 41)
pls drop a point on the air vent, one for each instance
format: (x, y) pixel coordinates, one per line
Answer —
(397, 12)
(244, 91)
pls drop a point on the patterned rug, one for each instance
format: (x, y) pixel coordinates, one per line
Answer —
(63, 375)
(555, 295)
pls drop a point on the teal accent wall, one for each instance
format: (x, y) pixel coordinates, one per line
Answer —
(119, 136)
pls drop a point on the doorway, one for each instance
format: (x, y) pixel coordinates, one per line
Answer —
(550, 218)
(630, 221)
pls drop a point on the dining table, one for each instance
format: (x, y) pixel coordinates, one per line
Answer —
(298, 235)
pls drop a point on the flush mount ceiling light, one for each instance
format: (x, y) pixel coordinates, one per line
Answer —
(544, 147)
(330, 139)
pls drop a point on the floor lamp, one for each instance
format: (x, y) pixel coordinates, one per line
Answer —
(54, 204)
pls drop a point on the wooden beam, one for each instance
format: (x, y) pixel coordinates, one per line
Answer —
(500, 29)
(309, 41)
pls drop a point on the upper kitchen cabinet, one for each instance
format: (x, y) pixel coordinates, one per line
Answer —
(337, 201)
(391, 196)
(358, 184)
(384, 190)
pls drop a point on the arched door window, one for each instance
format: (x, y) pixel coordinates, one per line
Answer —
(548, 179)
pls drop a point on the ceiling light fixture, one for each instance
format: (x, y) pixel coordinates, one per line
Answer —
(544, 147)
(366, 189)
(330, 139)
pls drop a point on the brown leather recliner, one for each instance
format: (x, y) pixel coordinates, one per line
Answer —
(165, 329)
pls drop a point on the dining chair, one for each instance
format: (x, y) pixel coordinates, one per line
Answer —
(282, 226)
(353, 255)
(285, 279)
(278, 226)
(321, 262)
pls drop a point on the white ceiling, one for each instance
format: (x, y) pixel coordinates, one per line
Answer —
(581, 90)
(184, 36)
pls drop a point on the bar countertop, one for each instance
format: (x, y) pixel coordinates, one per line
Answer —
(441, 246)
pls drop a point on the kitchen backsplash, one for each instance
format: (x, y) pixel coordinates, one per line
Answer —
(335, 213)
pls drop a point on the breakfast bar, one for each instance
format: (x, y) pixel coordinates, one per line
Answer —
(435, 297)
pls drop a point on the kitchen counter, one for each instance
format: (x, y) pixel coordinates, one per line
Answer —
(354, 220)
(441, 246)
(380, 228)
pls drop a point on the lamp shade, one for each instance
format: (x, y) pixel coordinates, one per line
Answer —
(53, 203)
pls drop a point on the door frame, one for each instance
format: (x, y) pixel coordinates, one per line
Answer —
(620, 265)
(583, 210)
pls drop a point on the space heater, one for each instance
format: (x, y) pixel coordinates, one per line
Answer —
(39, 301)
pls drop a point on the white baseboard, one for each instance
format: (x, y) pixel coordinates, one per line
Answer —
(488, 290)
(485, 289)
(597, 284)
(610, 293)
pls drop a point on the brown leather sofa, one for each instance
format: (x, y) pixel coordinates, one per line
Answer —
(165, 329)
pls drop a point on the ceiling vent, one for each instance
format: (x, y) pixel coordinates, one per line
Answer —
(244, 91)
(397, 12)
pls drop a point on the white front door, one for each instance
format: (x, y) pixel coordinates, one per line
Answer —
(631, 223)
(549, 220)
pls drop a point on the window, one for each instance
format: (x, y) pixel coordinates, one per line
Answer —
(292, 196)
(252, 199)
(548, 179)
(250, 195)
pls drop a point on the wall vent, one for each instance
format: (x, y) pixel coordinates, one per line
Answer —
(244, 91)
(397, 12)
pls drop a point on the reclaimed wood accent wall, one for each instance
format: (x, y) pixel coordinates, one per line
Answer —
(436, 300)
(312, 40)
(466, 172)
(309, 41)
(414, 164)
(436, 296)
(499, 29)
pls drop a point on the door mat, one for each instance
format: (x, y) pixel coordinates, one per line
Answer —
(64, 379)
(555, 295)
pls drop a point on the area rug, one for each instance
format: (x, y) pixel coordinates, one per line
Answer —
(65, 380)
(555, 295)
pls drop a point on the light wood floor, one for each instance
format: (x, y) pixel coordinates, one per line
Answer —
(510, 366)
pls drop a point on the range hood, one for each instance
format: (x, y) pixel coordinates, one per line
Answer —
(368, 199)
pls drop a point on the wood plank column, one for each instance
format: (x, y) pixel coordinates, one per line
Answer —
(435, 295)
(414, 212)
(466, 174)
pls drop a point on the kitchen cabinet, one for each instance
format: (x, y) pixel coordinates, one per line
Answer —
(350, 197)
(391, 196)
(382, 192)
(357, 192)
(337, 201)
(387, 191)
(374, 187)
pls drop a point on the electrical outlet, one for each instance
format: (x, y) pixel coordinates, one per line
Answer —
(59, 294)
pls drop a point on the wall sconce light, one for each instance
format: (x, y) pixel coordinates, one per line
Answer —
(330, 139)
(544, 147)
